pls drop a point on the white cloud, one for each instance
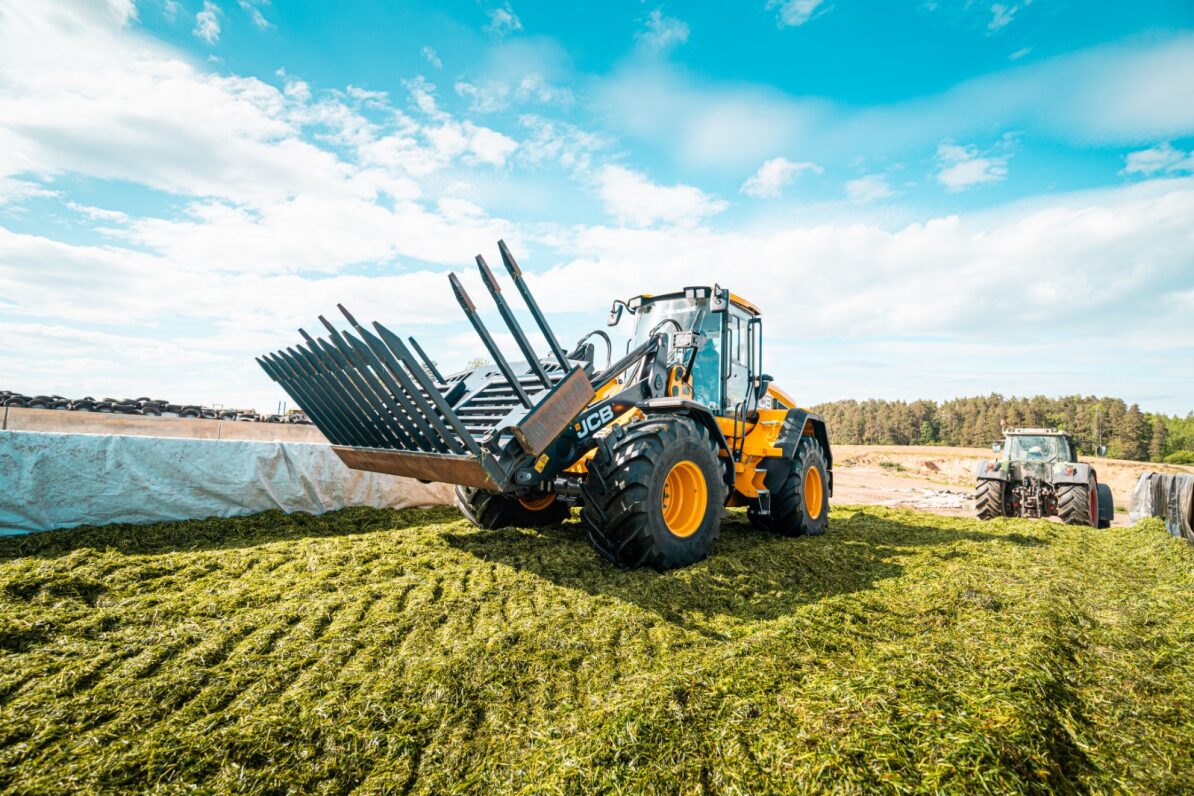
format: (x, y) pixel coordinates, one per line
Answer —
(1142, 90)
(207, 23)
(1160, 158)
(962, 167)
(775, 175)
(432, 57)
(633, 199)
(503, 20)
(871, 188)
(793, 13)
(662, 32)
(560, 143)
(1001, 15)
(1020, 53)
(251, 8)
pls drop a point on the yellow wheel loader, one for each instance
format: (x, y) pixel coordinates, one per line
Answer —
(653, 447)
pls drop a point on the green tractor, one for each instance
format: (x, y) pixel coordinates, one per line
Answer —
(1039, 475)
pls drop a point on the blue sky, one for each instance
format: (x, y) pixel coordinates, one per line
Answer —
(927, 199)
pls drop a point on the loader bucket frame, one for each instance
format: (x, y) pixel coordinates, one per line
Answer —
(385, 406)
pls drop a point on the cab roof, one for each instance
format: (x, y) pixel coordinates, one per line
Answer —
(735, 299)
(1038, 432)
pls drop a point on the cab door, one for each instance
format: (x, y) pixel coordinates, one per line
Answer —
(736, 358)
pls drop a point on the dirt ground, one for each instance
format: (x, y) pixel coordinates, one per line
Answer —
(941, 479)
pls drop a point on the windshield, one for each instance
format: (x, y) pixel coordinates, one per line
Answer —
(1036, 449)
(681, 310)
(706, 365)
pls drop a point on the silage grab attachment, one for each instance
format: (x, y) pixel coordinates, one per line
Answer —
(386, 407)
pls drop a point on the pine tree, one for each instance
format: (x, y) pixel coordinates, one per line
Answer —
(1131, 430)
(1156, 449)
(928, 434)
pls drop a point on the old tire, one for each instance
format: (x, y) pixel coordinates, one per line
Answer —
(1078, 504)
(1106, 506)
(655, 494)
(495, 510)
(991, 495)
(800, 507)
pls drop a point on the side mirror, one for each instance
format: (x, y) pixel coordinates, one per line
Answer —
(615, 314)
(1101, 450)
(720, 300)
(997, 446)
(765, 380)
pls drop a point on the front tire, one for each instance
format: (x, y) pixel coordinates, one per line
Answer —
(801, 505)
(495, 510)
(654, 495)
(992, 497)
(1078, 504)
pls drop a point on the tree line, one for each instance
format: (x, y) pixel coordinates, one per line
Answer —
(1126, 431)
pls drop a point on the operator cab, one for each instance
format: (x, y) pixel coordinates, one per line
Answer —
(1043, 446)
(712, 331)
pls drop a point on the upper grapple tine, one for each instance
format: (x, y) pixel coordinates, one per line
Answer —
(470, 310)
(524, 345)
(532, 305)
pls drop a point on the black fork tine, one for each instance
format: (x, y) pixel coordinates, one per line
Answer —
(338, 389)
(373, 398)
(392, 399)
(427, 363)
(387, 354)
(532, 305)
(300, 394)
(470, 310)
(299, 366)
(520, 337)
(391, 340)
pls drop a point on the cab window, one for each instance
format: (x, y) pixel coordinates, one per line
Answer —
(738, 369)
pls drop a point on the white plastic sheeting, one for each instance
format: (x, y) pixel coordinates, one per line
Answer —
(51, 480)
(1168, 496)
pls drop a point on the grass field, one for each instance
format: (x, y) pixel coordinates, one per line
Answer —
(410, 652)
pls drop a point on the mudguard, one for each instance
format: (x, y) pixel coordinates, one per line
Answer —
(698, 412)
(1077, 473)
(789, 437)
(1106, 506)
(991, 470)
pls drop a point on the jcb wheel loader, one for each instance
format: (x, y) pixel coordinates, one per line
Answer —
(652, 447)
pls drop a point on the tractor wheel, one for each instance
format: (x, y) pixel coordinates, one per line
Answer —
(1078, 504)
(495, 510)
(801, 505)
(992, 496)
(1106, 506)
(655, 494)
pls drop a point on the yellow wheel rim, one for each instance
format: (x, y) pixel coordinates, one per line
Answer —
(685, 498)
(814, 492)
(537, 504)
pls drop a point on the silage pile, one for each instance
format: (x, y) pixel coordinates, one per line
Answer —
(409, 652)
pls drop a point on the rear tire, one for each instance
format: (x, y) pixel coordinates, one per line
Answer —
(1077, 504)
(655, 494)
(494, 510)
(992, 496)
(800, 507)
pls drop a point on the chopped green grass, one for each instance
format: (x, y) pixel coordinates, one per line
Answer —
(410, 652)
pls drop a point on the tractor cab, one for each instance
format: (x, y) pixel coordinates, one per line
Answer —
(714, 345)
